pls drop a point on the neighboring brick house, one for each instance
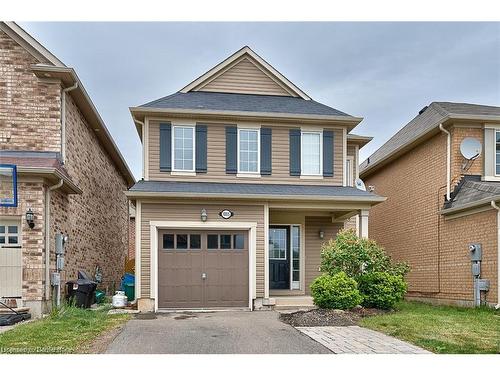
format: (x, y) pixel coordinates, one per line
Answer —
(245, 176)
(439, 202)
(68, 170)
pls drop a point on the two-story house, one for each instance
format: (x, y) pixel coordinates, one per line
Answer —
(441, 176)
(244, 177)
(70, 177)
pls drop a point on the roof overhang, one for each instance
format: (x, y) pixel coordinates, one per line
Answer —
(266, 197)
(140, 113)
(486, 203)
(359, 140)
(446, 121)
(68, 77)
(52, 175)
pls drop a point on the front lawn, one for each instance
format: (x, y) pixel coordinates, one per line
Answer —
(69, 330)
(441, 329)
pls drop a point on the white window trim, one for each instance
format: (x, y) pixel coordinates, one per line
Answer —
(173, 148)
(314, 175)
(10, 221)
(350, 172)
(252, 173)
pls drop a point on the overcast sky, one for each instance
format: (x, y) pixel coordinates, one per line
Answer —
(383, 72)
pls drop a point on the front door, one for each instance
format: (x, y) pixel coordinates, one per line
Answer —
(279, 257)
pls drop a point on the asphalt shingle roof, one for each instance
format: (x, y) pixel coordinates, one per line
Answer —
(249, 189)
(471, 189)
(243, 102)
(424, 122)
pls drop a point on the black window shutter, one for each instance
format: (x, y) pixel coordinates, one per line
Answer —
(165, 147)
(266, 151)
(294, 152)
(231, 149)
(201, 148)
(327, 153)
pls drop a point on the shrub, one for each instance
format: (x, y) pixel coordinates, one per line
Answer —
(337, 291)
(381, 289)
(356, 256)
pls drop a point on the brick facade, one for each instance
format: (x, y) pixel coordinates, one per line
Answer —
(408, 224)
(96, 221)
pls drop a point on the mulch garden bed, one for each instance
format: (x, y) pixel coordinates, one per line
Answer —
(328, 317)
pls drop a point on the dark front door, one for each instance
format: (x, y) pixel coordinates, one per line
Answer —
(279, 257)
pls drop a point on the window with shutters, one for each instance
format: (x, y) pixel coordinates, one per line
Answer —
(311, 153)
(183, 146)
(248, 151)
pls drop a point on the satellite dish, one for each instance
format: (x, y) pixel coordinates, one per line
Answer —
(470, 148)
(360, 184)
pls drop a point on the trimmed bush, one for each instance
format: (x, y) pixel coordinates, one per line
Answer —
(356, 256)
(381, 289)
(337, 291)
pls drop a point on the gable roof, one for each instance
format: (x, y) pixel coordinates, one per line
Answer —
(426, 123)
(248, 54)
(51, 67)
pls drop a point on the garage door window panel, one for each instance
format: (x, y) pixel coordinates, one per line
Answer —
(212, 241)
(195, 241)
(181, 242)
(168, 241)
(225, 241)
(9, 235)
(239, 241)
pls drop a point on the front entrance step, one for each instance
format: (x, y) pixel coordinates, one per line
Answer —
(287, 303)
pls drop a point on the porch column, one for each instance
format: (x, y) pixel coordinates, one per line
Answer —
(363, 223)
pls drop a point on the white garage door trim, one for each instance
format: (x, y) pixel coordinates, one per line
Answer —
(252, 244)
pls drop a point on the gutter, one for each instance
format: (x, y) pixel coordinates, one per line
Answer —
(448, 161)
(495, 206)
(333, 199)
(63, 120)
(48, 191)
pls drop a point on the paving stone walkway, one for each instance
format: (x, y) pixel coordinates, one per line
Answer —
(358, 340)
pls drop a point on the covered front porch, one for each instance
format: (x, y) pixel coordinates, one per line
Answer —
(294, 237)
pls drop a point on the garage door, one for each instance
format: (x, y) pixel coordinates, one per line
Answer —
(202, 269)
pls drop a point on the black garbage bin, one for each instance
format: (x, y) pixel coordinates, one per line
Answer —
(81, 292)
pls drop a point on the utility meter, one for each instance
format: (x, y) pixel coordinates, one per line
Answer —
(476, 252)
(61, 240)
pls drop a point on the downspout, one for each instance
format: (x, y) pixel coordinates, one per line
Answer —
(47, 236)
(495, 206)
(63, 120)
(448, 162)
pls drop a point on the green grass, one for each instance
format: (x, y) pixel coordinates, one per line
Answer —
(441, 329)
(68, 330)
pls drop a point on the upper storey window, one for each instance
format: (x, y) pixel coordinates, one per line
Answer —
(248, 150)
(311, 153)
(183, 148)
(497, 155)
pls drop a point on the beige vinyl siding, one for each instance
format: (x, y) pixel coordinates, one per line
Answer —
(175, 211)
(244, 77)
(313, 245)
(216, 158)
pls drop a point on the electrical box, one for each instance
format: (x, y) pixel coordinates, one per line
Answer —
(476, 269)
(55, 278)
(483, 284)
(475, 252)
(59, 244)
(60, 263)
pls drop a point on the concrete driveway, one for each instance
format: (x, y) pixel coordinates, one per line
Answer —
(258, 332)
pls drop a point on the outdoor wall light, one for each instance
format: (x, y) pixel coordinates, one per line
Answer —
(204, 215)
(30, 218)
(321, 234)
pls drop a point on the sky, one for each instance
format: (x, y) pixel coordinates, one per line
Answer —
(383, 72)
